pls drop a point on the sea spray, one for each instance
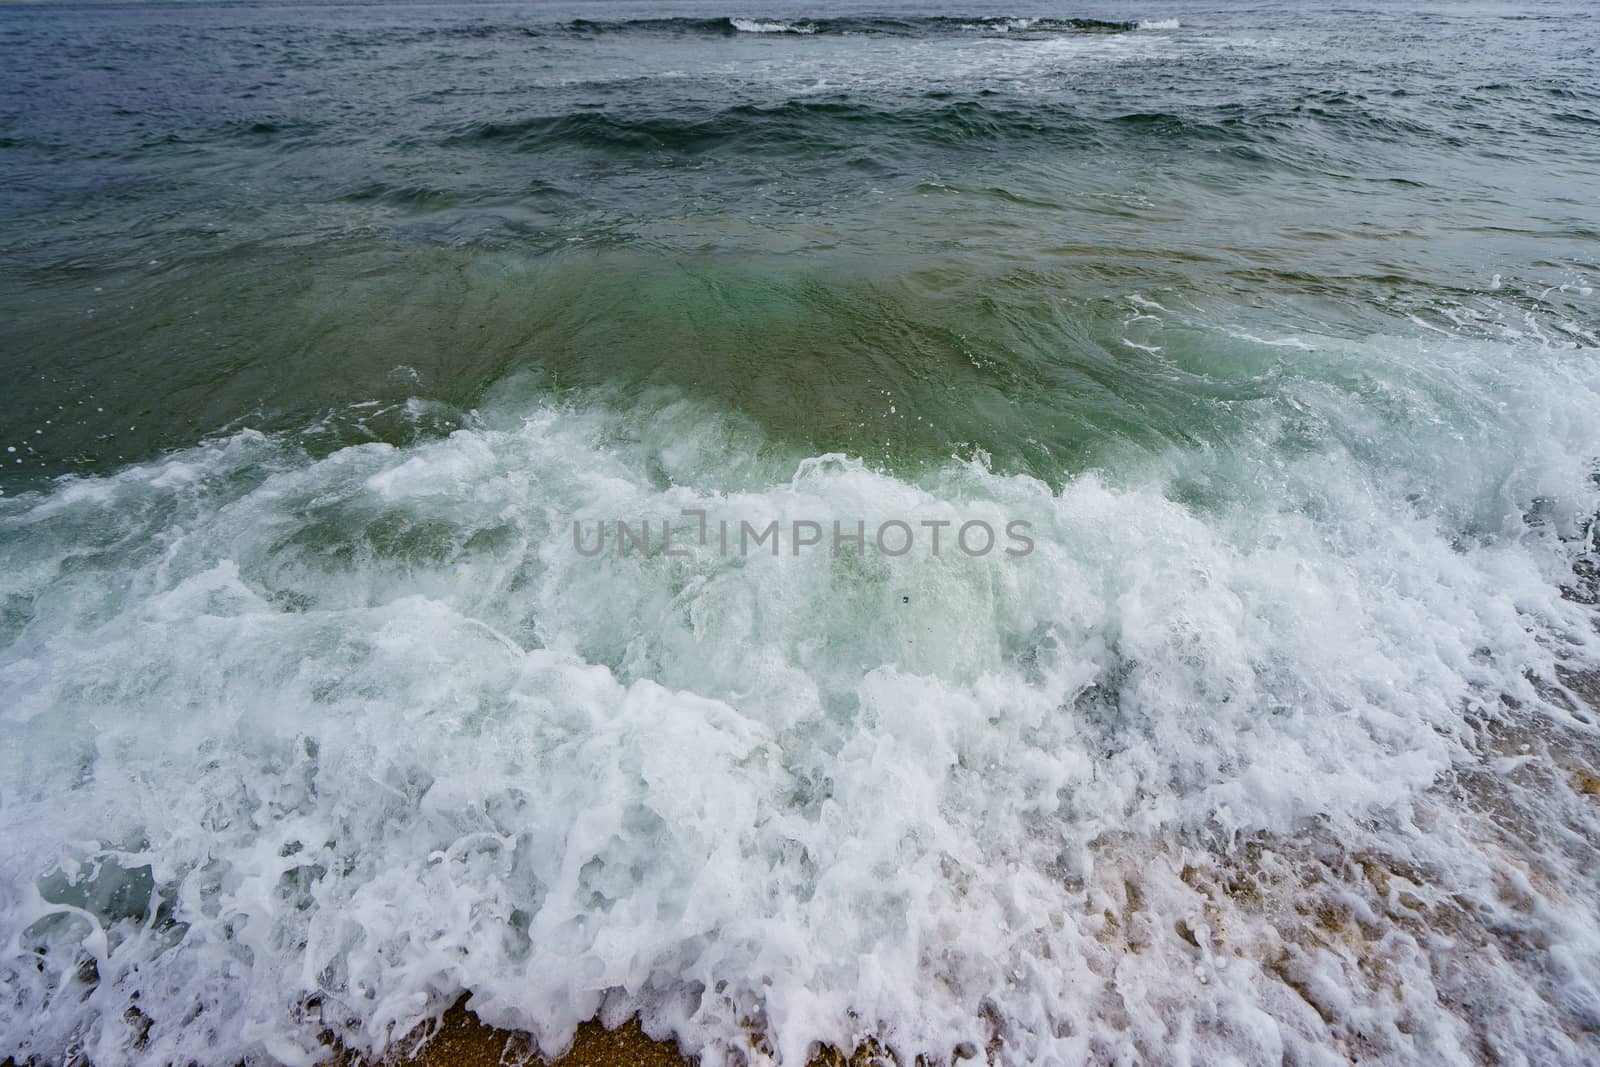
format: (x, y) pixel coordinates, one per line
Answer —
(381, 734)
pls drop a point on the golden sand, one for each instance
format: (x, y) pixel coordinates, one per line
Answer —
(462, 1040)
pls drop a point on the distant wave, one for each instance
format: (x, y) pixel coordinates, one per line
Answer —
(811, 123)
(1263, 133)
(908, 26)
(771, 26)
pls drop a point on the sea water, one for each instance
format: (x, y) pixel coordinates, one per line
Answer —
(322, 326)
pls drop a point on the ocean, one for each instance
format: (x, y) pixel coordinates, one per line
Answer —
(470, 502)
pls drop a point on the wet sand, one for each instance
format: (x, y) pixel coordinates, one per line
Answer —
(463, 1041)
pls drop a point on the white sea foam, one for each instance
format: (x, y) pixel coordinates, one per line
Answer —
(1159, 24)
(771, 26)
(1193, 782)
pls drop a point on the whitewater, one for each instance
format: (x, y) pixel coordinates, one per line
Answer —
(364, 731)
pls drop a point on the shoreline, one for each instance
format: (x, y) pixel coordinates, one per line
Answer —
(461, 1039)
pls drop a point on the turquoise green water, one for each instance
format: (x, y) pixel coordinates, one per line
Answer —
(785, 223)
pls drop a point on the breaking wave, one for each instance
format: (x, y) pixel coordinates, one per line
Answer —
(300, 743)
(893, 26)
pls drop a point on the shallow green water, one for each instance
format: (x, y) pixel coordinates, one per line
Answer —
(361, 203)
